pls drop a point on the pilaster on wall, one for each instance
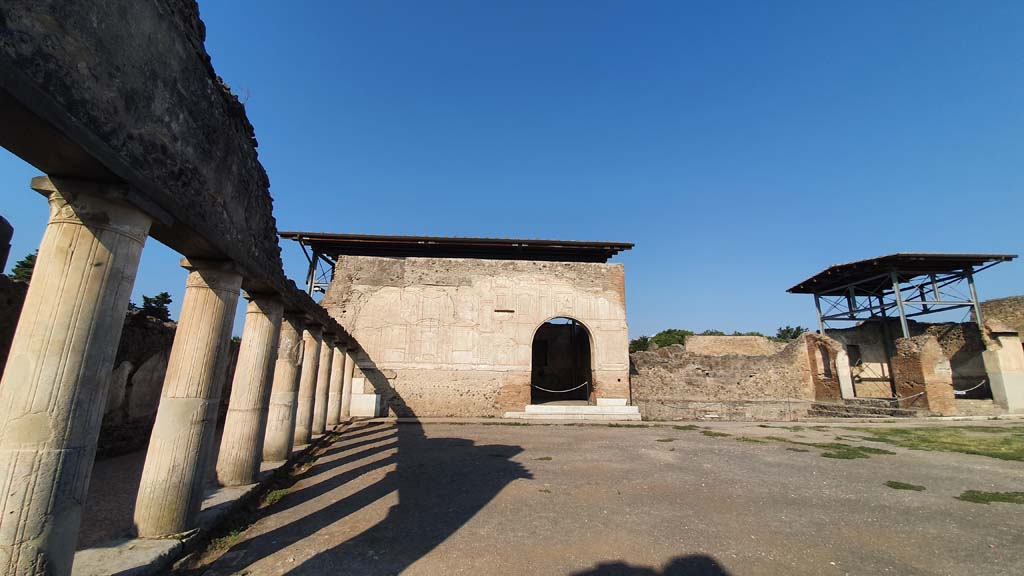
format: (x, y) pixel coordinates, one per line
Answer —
(1004, 363)
(923, 376)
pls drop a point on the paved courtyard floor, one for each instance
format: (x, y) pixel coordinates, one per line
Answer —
(601, 500)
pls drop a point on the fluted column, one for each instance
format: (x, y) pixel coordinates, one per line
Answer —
(54, 388)
(346, 387)
(172, 487)
(241, 445)
(335, 390)
(277, 444)
(323, 378)
(307, 384)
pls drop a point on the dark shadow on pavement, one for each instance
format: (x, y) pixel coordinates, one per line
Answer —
(693, 565)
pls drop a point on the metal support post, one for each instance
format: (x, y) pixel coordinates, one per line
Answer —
(899, 303)
(974, 297)
(821, 322)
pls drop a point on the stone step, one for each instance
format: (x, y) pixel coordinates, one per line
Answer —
(569, 416)
(978, 408)
(859, 410)
(562, 409)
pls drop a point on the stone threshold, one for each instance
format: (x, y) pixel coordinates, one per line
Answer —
(550, 422)
(150, 556)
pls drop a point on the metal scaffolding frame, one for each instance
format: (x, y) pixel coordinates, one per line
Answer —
(899, 286)
(321, 269)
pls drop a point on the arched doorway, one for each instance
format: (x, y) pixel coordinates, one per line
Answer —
(561, 363)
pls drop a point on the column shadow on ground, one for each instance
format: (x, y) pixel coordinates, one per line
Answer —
(441, 484)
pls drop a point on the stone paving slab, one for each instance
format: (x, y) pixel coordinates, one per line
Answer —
(595, 500)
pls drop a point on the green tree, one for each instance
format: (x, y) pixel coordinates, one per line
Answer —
(22, 271)
(639, 344)
(787, 333)
(156, 306)
(712, 333)
(670, 337)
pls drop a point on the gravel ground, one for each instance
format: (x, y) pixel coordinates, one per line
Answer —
(600, 500)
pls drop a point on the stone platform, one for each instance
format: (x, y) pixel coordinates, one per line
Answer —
(560, 411)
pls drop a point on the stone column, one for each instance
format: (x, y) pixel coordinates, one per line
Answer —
(335, 391)
(323, 378)
(277, 444)
(307, 385)
(172, 487)
(241, 446)
(54, 389)
(346, 387)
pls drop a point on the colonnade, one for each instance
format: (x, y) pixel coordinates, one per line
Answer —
(292, 381)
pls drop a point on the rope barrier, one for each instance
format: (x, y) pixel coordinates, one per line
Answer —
(962, 392)
(559, 391)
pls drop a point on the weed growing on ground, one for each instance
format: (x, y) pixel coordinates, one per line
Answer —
(686, 427)
(1002, 442)
(274, 497)
(544, 490)
(665, 440)
(750, 439)
(896, 485)
(795, 449)
(714, 434)
(544, 458)
(614, 425)
(980, 497)
(226, 541)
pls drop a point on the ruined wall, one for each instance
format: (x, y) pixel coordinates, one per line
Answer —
(453, 336)
(12, 296)
(1007, 311)
(923, 376)
(961, 343)
(675, 383)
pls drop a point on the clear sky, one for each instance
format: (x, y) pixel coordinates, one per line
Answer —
(743, 146)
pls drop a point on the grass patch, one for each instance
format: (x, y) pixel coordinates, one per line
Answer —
(896, 485)
(274, 497)
(665, 440)
(614, 425)
(1002, 442)
(795, 449)
(545, 458)
(686, 427)
(979, 497)
(714, 434)
(544, 490)
(750, 439)
(836, 450)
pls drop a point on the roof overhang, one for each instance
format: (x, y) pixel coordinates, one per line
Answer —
(334, 245)
(874, 275)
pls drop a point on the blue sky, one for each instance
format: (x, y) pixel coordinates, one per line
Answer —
(743, 146)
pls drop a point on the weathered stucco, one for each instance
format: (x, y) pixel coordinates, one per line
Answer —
(453, 337)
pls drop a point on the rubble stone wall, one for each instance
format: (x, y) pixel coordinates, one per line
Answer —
(1006, 311)
(676, 383)
(454, 337)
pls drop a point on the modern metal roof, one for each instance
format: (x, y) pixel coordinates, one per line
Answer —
(457, 247)
(873, 275)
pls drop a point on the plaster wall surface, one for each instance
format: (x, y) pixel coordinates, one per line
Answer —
(453, 336)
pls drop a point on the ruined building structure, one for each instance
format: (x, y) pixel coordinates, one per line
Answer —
(480, 326)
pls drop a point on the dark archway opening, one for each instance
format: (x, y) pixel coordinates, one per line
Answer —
(561, 363)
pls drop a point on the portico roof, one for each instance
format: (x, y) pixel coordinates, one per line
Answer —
(873, 275)
(333, 245)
